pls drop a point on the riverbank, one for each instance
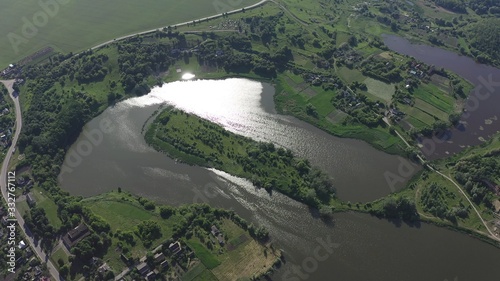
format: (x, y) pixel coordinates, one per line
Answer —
(203, 254)
(199, 142)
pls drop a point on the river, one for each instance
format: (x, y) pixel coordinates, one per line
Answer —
(361, 247)
(480, 121)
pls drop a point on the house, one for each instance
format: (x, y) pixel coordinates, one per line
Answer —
(22, 245)
(103, 268)
(158, 258)
(143, 269)
(75, 235)
(397, 112)
(164, 264)
(215, 231)
(175, 247)
(30, 199)
(151, 276)
(38, 271)
(20, 181)
(29, 253)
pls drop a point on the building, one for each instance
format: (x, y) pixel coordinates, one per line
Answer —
(151, 276)
(216, 233)
(143, 269)
(175, 247)
(158, 258)
(103, 268)
(30, 199)
(22, 245)
(164, 264)
(75, 235)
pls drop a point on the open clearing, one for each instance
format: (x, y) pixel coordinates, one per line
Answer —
(380, 89)
(246, 261)
(123, 212)
(351, 75)
(422, 105)
(430, 94)
(78, 25)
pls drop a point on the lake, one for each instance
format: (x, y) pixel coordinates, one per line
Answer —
(358, 247)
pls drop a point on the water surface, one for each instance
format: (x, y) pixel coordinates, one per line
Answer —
(361, 247)
(480, 121)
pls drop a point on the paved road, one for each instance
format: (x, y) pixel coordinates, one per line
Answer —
(3, 176)
(3, 181)
(180, 24)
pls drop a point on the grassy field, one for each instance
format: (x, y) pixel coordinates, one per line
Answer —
(241, 257)
(199, 273)
(351, 75)
(380, 89)
(417, 114)
(290, 101)
(60, 254)
(431, 110)
(124, 213)
(248, 258)
(435, 97)
(78, 25)
(44, 202)
(209, 260)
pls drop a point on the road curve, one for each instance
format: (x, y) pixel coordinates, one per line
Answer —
(491, 234)
(3, 182)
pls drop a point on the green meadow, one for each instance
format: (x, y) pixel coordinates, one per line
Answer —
(75, 25)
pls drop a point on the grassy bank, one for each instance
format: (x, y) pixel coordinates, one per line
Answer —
(199, 142)
(428, 196)
(191, 225)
